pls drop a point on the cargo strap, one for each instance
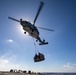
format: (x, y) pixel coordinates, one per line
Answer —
(36, 50)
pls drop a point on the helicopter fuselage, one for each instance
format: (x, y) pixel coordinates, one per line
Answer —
(31, 29)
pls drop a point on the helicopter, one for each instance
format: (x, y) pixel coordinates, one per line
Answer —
(32, 29)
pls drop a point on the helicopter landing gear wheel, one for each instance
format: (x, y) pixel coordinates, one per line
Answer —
(24, 32)
(36, 40)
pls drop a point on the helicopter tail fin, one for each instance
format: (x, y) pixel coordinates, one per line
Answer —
(43, 43)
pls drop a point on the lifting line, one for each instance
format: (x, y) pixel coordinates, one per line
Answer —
(36, 50)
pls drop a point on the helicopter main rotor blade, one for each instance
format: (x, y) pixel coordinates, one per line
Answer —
(45, 28)
(39, 9)
(13, 19)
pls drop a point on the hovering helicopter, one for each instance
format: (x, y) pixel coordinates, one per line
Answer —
(31, 28)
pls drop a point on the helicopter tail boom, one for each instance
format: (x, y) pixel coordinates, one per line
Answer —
(43, 43)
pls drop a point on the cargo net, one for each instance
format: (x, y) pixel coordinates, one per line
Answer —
(38, 56)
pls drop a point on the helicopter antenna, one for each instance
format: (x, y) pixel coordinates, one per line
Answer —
(39, 9)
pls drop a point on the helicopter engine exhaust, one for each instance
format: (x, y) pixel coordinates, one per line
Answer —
(20, 21)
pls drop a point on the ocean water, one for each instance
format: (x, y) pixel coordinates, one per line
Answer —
(59, 73)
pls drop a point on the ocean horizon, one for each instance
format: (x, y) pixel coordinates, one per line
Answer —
(60, 73)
